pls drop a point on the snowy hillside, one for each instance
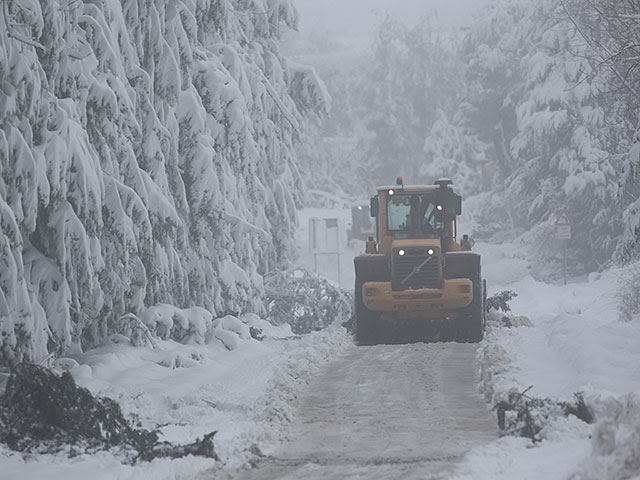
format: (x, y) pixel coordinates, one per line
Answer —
(146, 156)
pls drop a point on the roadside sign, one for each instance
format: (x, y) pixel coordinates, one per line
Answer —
(564, 232)
(326, 237)
(563, 226)
(564, 218)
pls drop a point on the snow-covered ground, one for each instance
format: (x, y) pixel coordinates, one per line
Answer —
(243, 388)
(576, 343)
(247, 395)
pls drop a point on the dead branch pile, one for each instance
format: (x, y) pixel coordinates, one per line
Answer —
(42, 412)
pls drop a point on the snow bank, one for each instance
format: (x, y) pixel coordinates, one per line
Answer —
(615, 451)
(574, 342)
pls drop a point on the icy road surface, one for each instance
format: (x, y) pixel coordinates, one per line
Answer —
(384, 412)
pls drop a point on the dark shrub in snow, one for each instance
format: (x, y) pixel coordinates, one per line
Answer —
(42, 412)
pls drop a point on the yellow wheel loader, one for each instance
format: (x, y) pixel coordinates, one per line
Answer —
(416, 282)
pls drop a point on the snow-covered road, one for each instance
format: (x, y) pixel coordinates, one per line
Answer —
(399, 411)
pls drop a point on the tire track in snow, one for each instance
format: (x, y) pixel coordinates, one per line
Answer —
(388, 411)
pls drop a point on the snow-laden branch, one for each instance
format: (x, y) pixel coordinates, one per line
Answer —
(239, 223)
(598, 47)
(281, 106)
(12, 33)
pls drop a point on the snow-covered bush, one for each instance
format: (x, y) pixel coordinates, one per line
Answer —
(193, 325)
(305, 301)
(147, 156)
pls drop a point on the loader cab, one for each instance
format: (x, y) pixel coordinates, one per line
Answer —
(416, 213)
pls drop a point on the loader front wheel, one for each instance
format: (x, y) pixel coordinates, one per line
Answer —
(367, 325)
(472, 321)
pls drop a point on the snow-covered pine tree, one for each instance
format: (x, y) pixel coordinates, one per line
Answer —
(454, 151)
(146, 155)
(560, 150)
(611, 30)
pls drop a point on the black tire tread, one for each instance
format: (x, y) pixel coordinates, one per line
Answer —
(472, 320)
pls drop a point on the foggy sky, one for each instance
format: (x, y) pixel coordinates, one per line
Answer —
(355, 20)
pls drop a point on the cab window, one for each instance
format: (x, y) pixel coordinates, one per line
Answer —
(399, 212)
(411, 215)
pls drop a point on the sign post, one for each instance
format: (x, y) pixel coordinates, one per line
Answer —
(326, 237)
(563, 231)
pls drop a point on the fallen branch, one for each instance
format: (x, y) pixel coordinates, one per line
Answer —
(525, 416)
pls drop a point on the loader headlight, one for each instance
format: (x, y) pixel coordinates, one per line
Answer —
(360, 207)
(439, 208)
(431, 251)
(392, 192)
(402, 253)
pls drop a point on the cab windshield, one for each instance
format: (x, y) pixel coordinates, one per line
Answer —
(412, 216)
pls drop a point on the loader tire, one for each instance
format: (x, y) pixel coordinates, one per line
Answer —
(472, 321)
(368, 329)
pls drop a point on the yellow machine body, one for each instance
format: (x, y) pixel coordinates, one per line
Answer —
(417, 273)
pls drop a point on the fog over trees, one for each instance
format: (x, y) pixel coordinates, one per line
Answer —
(533, 104)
